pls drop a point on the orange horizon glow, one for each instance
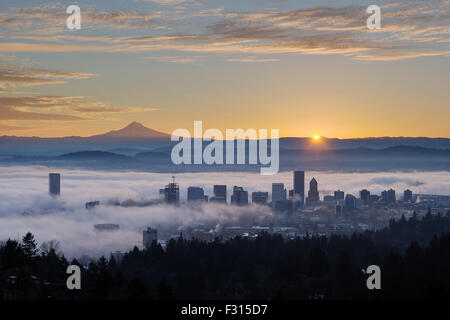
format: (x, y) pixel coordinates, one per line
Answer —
(88, 130)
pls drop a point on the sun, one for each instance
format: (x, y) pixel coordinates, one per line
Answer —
(316, 137)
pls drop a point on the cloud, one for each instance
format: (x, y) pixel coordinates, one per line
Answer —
(19, 108)
(173, 2)
(173, 59)
(387, 181)
(12, 76)
(26, 206)
(102, 108)
(409, 30)
(252, 60)
(395, 56)
(52, 18)
(57, 108)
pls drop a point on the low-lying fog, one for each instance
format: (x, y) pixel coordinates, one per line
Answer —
(26, 206)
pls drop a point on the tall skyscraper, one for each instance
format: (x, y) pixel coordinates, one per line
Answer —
(220, 191)
(313, 193)
(364, 195)
(54, 184)
(278, 193)
(260, 197)
(388, 196)
(239, 196)
(408, 196)
(350, 203)
(391, 196)
(339, 195)
(195, 194)
(172, 193)
(299, 184)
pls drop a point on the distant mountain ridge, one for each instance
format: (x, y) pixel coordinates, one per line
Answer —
(390, 151)
(132, 131)
(92, 155)
(137, 138)
(402, 158)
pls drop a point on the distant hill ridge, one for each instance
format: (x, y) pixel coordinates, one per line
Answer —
(92, 155)
(400, 158)
(390, 151)
(137, 136)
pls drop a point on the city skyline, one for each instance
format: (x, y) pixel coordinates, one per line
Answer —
(171, 193)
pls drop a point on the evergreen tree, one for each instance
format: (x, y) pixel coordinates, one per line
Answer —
(29, 246)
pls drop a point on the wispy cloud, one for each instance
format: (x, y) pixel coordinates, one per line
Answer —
(173, 59)
(252, 60)
(173, 2)
(415, 26)
(395, 56)
(12, 76)
(62, 108)
(52, 18)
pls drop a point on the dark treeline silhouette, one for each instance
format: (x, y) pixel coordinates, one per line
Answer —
(414, 257)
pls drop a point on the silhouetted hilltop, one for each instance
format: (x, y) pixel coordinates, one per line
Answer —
(92, 155)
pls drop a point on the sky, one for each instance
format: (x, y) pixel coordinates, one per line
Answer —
(303, 67)
(65, 219)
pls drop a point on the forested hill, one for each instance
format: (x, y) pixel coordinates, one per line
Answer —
(414, 257)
